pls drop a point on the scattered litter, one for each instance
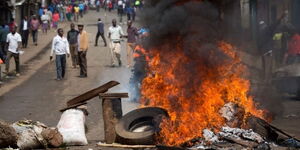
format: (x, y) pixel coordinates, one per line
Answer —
(29, 134)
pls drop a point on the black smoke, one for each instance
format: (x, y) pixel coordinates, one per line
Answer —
(199, 25)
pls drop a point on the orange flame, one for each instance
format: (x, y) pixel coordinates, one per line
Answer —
(193, 100)
(140, 51)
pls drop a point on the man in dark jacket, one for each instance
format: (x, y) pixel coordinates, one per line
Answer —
(73, 42)
(24, 30)
(100, 33)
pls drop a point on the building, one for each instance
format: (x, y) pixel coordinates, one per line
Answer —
(17, 9)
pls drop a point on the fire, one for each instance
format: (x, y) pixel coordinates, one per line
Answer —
(193, 91)
(140, 51)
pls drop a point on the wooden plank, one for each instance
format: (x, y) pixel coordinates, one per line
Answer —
(117, 145)
(113, 95)
(92, 93)
(72, 106)
(112, 112)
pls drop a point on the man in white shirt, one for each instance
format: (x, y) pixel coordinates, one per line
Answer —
(13, 40)
(60, 46)
(115, 33)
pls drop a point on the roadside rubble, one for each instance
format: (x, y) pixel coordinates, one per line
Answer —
(253, 133)
(28, 134)
(70, 130)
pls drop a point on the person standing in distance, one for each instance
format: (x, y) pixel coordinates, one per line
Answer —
(83, 45)
(115, 33)
(73, 41)
(60, 46)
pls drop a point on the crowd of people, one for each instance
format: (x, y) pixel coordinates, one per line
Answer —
(45, 19)
(75, 44)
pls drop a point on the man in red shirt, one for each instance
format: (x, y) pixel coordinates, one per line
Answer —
(293, 50)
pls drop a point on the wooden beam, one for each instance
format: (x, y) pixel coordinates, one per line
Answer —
(92, 93)
(113, 95)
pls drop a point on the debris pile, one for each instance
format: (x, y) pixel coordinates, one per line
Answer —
(253, 133)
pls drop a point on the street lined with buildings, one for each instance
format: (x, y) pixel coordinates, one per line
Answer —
(44, 86)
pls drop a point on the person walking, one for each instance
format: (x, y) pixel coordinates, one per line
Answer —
(98, 5)
(49, 14)
(14, 41)
(83, 45)
(24, 30)
(120, 10)
(115, 33)
(60, 46)
(76, 13)
(69, 12)
(34, 25)
(45, 22)
(132, 33)
(81, 9)
(72, 38)
(2, 55)
(100, 33)
(55, 19)
(4, 31)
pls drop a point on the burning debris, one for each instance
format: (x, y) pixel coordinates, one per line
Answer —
(192, 72)
(198, 78)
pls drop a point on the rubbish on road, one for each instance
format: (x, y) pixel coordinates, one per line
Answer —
(8, 136)
(113, 95)
(53, 137)
(29, 134)
(28, 140)
(71, 126)
(92, 93)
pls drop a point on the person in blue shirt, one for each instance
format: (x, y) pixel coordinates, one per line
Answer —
(81, 9)
(41, 11)
(129, 11)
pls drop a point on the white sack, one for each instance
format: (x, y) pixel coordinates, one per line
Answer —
(71, 127)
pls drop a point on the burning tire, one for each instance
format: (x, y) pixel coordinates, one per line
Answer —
(140, 125)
